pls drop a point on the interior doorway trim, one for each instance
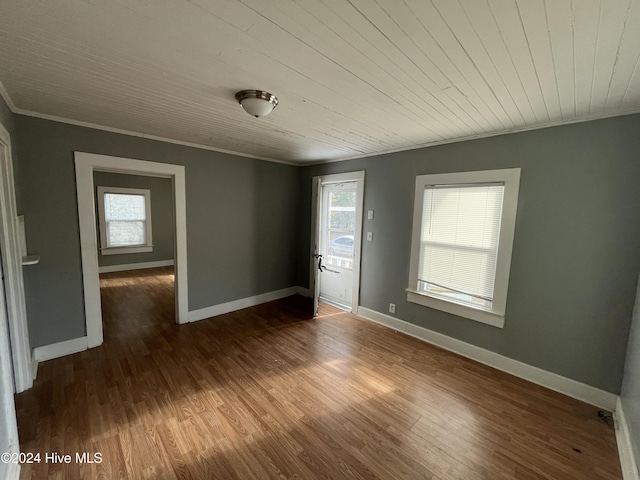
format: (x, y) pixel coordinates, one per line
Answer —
(12, 261)
(86, 164)
(316, 187)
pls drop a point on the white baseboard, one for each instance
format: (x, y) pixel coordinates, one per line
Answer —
(625, 444)
(135, 266)
(552, 381)
(47, 352)
(55, 350)
(305, 292)
(215, 310)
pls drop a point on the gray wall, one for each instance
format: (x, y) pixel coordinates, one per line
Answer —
(576, 253)
(241, 221)
(630, 394)
(162, 213)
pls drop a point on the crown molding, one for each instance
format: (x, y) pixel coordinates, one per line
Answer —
(301, 163)
(475, 137)
(79, 123)
(131, 133)
(5, 96)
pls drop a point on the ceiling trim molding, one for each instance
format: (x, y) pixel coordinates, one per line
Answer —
(130, 133)
(5, 95)
(475, 137)
(300, 163)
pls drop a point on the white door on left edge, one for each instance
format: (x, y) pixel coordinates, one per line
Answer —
(9, 443)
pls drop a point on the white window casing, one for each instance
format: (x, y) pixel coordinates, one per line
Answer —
(125, 220)
(463, 230)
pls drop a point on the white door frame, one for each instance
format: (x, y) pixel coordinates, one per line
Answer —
(317, 182)
(86, 164)
(12, 263)
(8, 419)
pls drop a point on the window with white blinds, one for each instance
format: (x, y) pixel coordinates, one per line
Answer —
(125, 220)
(458, 256)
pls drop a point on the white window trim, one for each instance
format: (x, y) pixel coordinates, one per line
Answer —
(511, 179)
(104, 249)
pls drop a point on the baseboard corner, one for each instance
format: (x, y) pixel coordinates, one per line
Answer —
(232, 306)
(628, 462)
(60, 349)
(34, 368)
(305, 292)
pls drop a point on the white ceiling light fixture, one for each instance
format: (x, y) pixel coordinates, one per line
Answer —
(257, 102)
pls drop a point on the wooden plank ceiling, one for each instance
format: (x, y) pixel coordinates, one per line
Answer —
(354, 77)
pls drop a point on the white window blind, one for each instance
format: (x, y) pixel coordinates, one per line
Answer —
(459, 239)
(125, 219)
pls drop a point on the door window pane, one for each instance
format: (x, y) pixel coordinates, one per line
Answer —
(340, 228)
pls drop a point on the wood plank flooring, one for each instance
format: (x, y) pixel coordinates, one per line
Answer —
(267, 393)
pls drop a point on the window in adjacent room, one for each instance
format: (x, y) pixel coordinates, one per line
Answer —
(463, 229)
(125, 220)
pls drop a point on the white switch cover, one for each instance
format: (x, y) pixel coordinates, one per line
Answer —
(370, 215)
(392, 308)
(369, 236)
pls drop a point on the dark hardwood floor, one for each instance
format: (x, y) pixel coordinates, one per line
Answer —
(267, 393)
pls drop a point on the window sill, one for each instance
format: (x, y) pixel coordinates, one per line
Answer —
(123, 250)
(482, 316)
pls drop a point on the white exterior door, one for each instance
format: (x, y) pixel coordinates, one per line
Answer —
(337, 232)
(337, 242)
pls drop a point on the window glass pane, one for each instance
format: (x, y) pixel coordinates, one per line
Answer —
(123, 234)
(339, 234)
(119, 206)
(344, 198)
(343, 210)
(459, 239)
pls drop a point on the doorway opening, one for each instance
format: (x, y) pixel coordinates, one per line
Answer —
(336, 238)
(86, 165)
(136, 254)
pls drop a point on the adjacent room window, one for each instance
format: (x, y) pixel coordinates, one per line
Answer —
(125, 220)
(463, 231)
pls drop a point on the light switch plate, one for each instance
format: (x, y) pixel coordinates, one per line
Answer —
(369, 236)
(370, 215)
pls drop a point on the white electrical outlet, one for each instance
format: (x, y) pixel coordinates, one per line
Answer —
(370, 215)
(392, 308)
(369, 236)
